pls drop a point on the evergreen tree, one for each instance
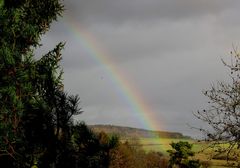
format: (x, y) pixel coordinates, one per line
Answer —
(36, 127)
(35, 113)
(180, 154)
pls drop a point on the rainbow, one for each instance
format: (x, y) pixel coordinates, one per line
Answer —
(124, 87)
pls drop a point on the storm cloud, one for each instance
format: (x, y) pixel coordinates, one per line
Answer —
(169, 50)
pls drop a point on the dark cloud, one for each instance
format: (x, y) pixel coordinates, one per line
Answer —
(125, 11)
(168, 50)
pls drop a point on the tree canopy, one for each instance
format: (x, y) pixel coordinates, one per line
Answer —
(179, 155)
(36, 114)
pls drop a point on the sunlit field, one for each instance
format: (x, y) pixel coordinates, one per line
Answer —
(162, 145)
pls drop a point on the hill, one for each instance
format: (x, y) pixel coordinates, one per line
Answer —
(129, 132)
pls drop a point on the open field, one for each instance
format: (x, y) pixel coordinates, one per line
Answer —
(148, 141)
(163, 144)
(157, 144)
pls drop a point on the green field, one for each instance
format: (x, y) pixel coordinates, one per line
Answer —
(157, 144)
(143, 139)
(163, 144)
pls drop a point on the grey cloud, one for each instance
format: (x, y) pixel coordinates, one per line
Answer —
(133, 40)
(168, 50)
(119, 12)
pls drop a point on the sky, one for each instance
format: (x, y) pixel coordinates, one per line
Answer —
(144, 63)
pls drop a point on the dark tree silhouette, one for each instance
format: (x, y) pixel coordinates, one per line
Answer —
(92, 149)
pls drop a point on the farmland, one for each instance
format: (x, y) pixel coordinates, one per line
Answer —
(163, 144)
(142, 139)
(160, 144)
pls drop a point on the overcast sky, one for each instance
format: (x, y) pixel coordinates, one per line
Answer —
(168, 50)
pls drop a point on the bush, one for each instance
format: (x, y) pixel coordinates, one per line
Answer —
(180, 154)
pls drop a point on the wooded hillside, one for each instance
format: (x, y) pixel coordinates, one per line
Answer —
(128, 132)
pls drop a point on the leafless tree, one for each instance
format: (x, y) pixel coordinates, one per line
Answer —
(223, 111)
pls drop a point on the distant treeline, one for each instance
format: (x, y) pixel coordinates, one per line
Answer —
(128, 132)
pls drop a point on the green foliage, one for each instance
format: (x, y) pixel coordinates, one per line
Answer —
(36, 127)
(91, 149)
(180, 155)
(26, 123)
(1, 3)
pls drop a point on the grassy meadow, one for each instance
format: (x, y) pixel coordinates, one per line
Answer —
(163, 144)
(149, 141)
(157, 144)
